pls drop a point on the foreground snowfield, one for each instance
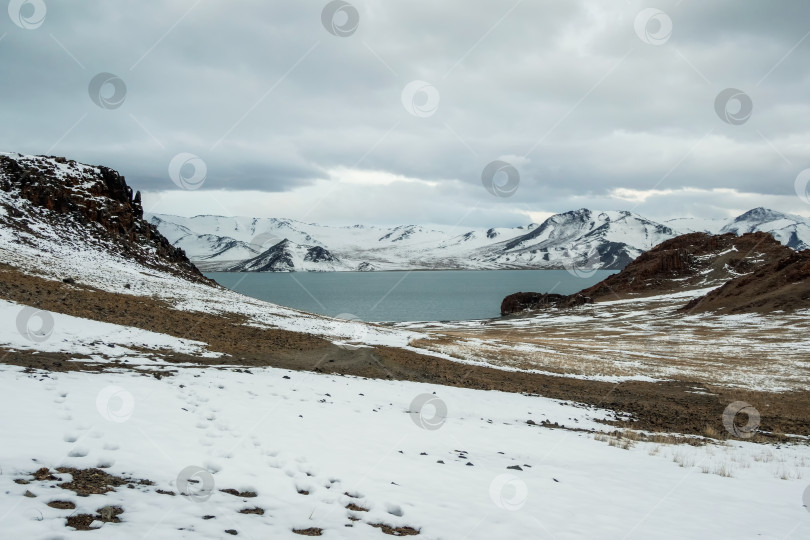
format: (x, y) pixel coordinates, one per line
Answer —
(331, 435)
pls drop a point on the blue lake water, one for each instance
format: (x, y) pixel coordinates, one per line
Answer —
(442, 295)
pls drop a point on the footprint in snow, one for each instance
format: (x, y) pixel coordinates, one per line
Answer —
(70, 437)
(212, 467)
(79, 452)
(111, 446)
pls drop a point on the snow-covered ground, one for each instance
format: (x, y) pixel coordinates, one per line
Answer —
(375, 444)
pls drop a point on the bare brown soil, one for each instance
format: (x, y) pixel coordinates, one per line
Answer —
(94, 481)
(62, 505)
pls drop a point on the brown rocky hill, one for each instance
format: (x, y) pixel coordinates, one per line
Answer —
(88, 204)
(783, 285)
(690, 261)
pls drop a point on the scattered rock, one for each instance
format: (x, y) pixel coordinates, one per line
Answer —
(235, 493)
(109, 514)
(515, 467)
(396, 531)
(312, 531)
(28, 494)
(255, 510)
(44, 474)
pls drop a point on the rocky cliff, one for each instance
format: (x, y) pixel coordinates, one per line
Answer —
(94, 202)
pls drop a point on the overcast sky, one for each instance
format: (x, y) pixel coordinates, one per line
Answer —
(389, 111)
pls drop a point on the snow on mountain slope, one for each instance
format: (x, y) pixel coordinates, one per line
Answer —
(581, 239)
(288, 257)
(791, 230)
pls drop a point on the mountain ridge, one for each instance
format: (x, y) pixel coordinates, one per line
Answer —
(583, 239)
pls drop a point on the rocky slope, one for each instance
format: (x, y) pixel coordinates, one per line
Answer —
(580, 238)
(53, 196)
(691, 261)
(780, 285)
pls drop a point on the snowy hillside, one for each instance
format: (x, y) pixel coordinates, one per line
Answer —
(582, 239)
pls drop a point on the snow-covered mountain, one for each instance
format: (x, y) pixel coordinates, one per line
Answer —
(791, 230)
(287, 256)
(582, 238)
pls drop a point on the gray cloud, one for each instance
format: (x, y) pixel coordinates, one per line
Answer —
(566, 91)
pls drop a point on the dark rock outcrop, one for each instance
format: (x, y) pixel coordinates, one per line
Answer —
(517, 302)
(96, 199)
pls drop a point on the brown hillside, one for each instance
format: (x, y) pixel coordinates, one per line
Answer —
(780, 285)
(686, 262)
